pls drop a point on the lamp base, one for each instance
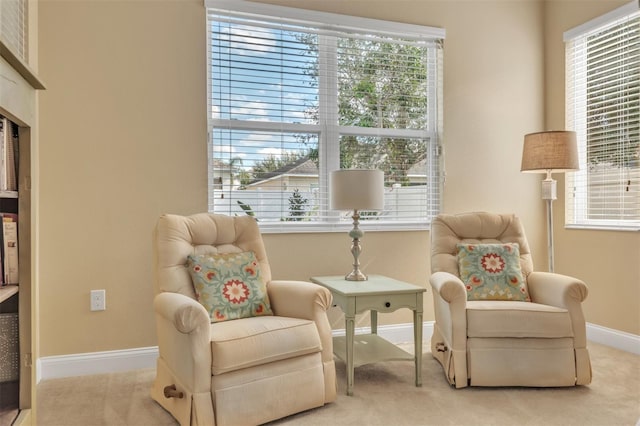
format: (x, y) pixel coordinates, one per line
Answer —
(356, 233)
(549, 189)
(356, 275)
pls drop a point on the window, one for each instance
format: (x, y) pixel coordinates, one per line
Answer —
(603, 107)
(296, 94)
(13, 26)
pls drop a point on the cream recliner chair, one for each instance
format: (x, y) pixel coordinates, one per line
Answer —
(243, 371)
(504, 343)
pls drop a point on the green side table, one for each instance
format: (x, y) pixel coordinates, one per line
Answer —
(377, 294)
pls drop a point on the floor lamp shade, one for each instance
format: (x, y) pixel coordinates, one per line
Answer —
(545, 151)
(357, 189)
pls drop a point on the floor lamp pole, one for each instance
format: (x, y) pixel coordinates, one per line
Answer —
(549, 190)
(550, 233)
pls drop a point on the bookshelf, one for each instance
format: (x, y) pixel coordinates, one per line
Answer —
(18, 104)
(19, 85)
(11, 381)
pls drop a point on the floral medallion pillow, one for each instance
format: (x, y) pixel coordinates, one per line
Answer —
(229, 285)
(492, 272)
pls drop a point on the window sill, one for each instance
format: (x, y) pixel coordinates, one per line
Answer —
(310, 227)
(22, 68)
(599, 227)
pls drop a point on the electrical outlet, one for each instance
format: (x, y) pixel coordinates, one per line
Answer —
(98, 300)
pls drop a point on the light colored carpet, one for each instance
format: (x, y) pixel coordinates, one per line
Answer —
(384, 394)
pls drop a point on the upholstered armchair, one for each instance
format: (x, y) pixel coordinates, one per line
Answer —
(483, 342)
(249, 370)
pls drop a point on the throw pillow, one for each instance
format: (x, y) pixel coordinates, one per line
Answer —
(229, 285)
(492, 272)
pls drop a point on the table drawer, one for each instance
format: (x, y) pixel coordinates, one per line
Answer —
(386, 303)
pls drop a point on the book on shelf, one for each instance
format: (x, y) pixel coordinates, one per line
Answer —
(8, 155)
(11, 157)
(4, 130)
(9, 248)
(8, 182)
(2, 250)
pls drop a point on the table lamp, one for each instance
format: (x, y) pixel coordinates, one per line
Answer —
(357, 189)
(548, 152)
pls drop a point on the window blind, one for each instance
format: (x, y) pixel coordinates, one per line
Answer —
(14, 27)
(293, 98)
(603, 107)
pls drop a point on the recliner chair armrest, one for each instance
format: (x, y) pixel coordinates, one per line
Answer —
(450, 304)
(450, 333)
(184, 339)
(305, 300)
(302, 299)
(554, 289)
(298, 299)
(182, 311)
(448, 286)
(565, 292)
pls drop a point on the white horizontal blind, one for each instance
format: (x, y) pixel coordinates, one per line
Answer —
(603, 107)
(13, 26)
(291, 100)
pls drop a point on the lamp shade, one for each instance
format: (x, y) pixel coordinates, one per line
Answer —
(357, 189)
(553, 150)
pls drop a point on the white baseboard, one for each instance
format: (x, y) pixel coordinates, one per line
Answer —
(131, 359)
(54, 367)
(616, 339)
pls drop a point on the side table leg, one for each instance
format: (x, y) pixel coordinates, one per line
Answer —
(374, 322)
(350, 329)
(417, 334)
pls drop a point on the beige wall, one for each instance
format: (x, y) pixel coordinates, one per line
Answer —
(123, 131)
(607, 261)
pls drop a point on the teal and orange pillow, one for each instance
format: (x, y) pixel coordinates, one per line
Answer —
(492, 272)
(229, 285)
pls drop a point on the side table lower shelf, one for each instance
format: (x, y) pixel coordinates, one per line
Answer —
(369, 348)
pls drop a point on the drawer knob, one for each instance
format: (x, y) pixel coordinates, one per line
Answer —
(387, 304)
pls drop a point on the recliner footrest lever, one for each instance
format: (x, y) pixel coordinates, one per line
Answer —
(171, 392)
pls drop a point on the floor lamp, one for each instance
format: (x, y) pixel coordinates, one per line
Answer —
(357, 189)
(549, 152)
